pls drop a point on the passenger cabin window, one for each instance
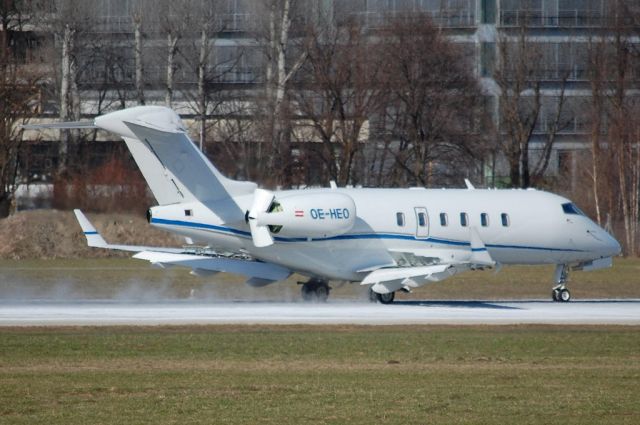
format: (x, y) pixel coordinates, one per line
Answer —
(484, 219)
(505, 219)
(400, 219)
(464, 219)
(188, 213)
(422, 219)
(570, 208)
(444, 221)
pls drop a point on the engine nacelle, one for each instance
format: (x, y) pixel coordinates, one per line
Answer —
(313, 215)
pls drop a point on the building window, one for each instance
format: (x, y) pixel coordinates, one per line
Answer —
(464, 219)
(422, 219)
(484, 219)
(505, 219)
(444, 221)
(400, 219)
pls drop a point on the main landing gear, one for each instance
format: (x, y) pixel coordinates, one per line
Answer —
(560, 292)
(381, 298)
(315, 290)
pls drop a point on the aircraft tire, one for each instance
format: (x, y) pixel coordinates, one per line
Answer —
(386, 298)
(373, 297)
(564, 296)
(555, 295)
(315, 291)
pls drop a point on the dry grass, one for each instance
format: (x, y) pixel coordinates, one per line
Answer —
(297, 374)
(49, 234)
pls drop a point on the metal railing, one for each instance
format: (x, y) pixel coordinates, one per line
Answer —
(446, 19)
(564, 19)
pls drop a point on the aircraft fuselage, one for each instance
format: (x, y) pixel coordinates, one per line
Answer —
(406, 227)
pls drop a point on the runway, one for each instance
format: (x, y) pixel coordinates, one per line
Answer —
(110, 313)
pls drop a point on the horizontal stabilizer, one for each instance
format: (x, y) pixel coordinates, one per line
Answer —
(260, 273)
(93, 237)
(95, 240)
(61, 125)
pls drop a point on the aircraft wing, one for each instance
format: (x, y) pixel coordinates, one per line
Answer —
(388, 280)
(259, 273)
(391, 279)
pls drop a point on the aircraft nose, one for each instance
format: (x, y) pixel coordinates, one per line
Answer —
(614, 246)
(611, 246)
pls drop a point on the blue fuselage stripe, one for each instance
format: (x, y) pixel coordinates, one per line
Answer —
(352, 236)
(90, 233)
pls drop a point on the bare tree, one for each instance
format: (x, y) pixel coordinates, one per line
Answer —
(434, 116)
(341, 90)
(283, 59)
(519, 75)
(140, 11)
(614, 60)
(175, 20)
(199, 57)
(68, 21)
(19, 94)
(624, 128)
(596, 113)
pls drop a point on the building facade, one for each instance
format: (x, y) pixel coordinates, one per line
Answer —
(108, 54)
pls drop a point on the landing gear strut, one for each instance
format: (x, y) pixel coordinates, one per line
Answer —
(381, 298)
(560, 292)
(315, 290)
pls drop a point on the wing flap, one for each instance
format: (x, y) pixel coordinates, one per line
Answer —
(250, 268)
(388, 280)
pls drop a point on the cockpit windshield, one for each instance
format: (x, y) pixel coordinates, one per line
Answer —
(570, 208)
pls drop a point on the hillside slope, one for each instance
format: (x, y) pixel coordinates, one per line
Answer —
(47, 234)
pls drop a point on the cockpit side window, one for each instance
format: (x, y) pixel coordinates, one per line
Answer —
(570, 208)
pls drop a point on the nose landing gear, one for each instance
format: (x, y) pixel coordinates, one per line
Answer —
(560, 292)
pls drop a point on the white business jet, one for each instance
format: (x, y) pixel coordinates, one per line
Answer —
(389, 239)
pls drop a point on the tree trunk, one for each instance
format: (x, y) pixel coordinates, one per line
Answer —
(137, 24)
(202, 93)
(172, 46)
(67, 83)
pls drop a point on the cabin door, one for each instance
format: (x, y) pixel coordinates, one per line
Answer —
(422, 222)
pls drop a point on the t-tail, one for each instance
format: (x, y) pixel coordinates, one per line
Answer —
(174, 168)
(176, 171)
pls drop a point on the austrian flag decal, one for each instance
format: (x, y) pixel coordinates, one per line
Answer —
(299, 213)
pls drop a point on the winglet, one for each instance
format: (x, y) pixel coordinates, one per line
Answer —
(93, 237)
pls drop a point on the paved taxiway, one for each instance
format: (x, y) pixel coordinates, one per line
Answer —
(46, 313)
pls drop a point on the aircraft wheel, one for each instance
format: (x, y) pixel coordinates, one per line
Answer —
(555, 294)
(386, 298)
(564, 295)
(315, 291)
(373, 297)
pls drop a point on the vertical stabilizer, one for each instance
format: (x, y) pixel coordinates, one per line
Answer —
(174, 168)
